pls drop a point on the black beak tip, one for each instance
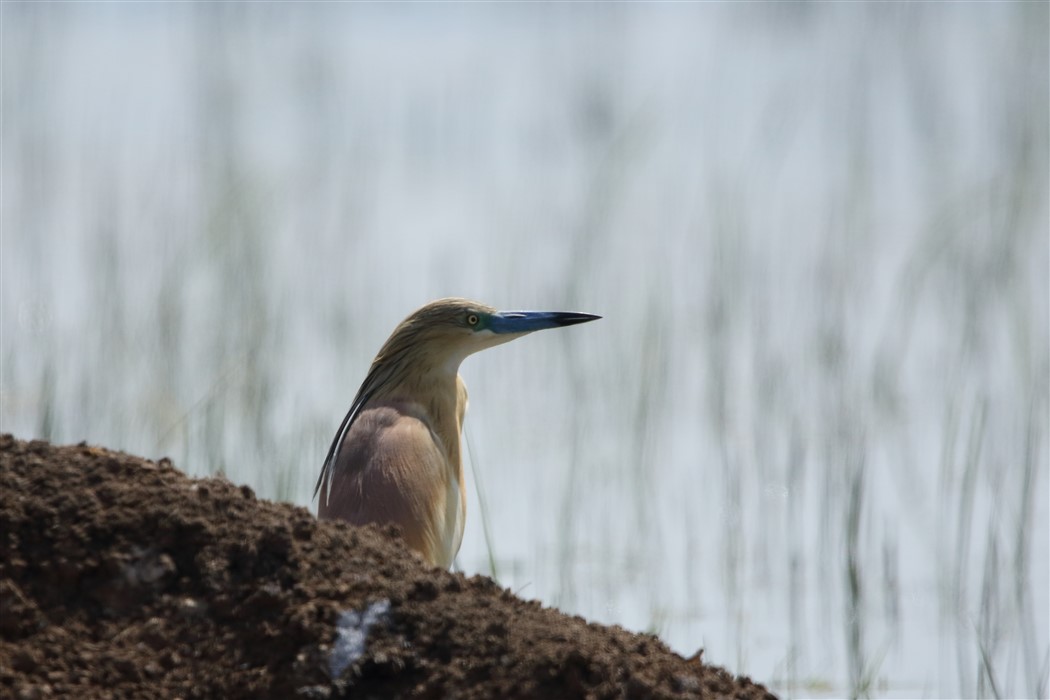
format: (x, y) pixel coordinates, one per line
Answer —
(571, 318)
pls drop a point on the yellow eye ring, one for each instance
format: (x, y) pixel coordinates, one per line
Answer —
(472, 319)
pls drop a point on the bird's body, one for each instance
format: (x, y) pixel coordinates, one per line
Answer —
(396, 456)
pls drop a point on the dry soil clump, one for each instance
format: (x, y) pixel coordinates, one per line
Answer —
(122, 577)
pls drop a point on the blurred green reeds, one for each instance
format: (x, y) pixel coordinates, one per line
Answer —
(810, 434)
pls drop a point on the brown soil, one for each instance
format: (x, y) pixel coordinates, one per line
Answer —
(122, 577)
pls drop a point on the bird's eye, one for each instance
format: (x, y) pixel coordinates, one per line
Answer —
(472, 319)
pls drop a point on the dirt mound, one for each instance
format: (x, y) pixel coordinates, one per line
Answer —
(121, 577)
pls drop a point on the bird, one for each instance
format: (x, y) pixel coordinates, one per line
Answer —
(395, 458)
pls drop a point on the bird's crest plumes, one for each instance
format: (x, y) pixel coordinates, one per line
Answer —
(443, 317)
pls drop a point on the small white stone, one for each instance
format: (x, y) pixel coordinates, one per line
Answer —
(352, 632)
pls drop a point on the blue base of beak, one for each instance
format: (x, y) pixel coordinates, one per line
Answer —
(528, 321)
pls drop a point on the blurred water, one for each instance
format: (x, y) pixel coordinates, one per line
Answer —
(810, 434)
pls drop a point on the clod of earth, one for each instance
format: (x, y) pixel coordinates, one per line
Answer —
(123, 577)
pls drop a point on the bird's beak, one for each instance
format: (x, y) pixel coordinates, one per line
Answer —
(528, 321)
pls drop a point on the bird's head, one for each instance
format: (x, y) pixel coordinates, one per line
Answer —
(448, 330)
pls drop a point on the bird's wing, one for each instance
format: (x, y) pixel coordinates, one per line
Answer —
(392, 468)
(384, 370)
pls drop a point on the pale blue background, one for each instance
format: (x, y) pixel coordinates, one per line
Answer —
(818, 234)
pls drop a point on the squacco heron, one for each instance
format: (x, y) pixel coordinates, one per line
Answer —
(396, 456)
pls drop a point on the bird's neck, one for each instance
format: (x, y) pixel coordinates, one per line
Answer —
(442, 397)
